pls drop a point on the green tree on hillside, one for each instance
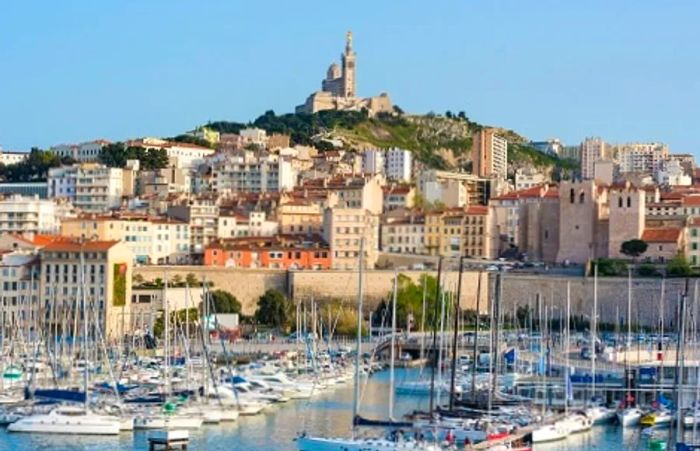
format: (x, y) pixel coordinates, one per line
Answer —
(35, 168)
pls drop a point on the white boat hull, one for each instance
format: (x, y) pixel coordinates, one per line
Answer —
(341, 444)
(63, 424)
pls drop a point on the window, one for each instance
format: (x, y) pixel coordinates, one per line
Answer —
(581, 198)
(572, 195)
(619, 202)
(629, 201)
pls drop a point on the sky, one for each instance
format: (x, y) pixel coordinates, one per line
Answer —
(76, 70)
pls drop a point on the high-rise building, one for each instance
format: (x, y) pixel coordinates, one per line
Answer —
(489, 154)
(373, 161)
(398, 164)
(592, 150)
(641, 157)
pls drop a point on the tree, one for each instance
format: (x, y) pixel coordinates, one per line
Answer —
(274, 309)
(34, 168)
(448, 114)
(115, 155)
(177, 318)
(191, 280)
(634, 248)
(611, 267)
(679, 266)
(225, 302)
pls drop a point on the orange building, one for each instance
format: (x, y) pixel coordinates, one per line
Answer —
(275, 252)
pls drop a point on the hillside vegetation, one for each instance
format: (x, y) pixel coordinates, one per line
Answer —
(437, 141)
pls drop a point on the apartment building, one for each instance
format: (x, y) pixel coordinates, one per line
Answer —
(344, 229)
(87, 152)
(404, 234)
(489, 154)
(641, 157)
(8, 158)
(19, 280)
(299, 216)
(202, 216)
(373, 161)
(180, 155)
(399, 196)
(251, 172)
(288, 252)
(151, 240)
(364, 193)
(98, 271)
(592, 150)
(90, 187)
(454, 189)
(458, 232)
(25, 214)
(398, 165)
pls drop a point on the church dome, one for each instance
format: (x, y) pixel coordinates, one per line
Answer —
(333, 72)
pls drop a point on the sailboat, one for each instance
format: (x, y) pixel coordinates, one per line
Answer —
(68, 419)
(629, 415)
(311, 443)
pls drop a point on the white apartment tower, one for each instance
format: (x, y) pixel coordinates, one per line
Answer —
(399, 164)
(592, 150)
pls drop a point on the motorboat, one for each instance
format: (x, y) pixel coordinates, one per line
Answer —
(657, 418)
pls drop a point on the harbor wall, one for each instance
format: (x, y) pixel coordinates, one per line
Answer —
(519, 290)
(249, 284)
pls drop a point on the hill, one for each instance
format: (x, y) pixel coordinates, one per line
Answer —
(438, 141)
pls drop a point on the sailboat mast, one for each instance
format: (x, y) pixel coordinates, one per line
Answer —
(393, 347)
(358, 349)
(436, 314)
(594, 323)
(454, 336)
(85, 326)
(476, 336)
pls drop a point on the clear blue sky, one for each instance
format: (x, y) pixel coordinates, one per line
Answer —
(75, 70)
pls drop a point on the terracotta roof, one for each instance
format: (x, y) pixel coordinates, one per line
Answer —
(532, 192)
(691, 201)
(477, 210)
(661, 235)
(43, 240)
(695, 221)
(76, 246)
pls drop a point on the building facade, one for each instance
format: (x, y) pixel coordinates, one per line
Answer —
(489, 154)
(90, 187)
(22, 214)
(344, 229)
(99, 272)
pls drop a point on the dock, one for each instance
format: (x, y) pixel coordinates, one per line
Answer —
(168, 440)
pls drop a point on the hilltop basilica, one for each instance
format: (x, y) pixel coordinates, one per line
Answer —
(338, 89)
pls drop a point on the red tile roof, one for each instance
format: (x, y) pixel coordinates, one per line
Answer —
(76, 246)
(691, 201)
(662, 235)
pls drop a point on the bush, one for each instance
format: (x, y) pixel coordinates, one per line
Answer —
(647, 270)
(608, 267)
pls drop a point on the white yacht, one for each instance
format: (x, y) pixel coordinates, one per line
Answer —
(68, 420)
(551, 432)
(305, 443)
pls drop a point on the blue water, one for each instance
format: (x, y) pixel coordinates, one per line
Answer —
(327, 414)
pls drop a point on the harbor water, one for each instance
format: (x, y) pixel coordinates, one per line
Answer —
(327, 414)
